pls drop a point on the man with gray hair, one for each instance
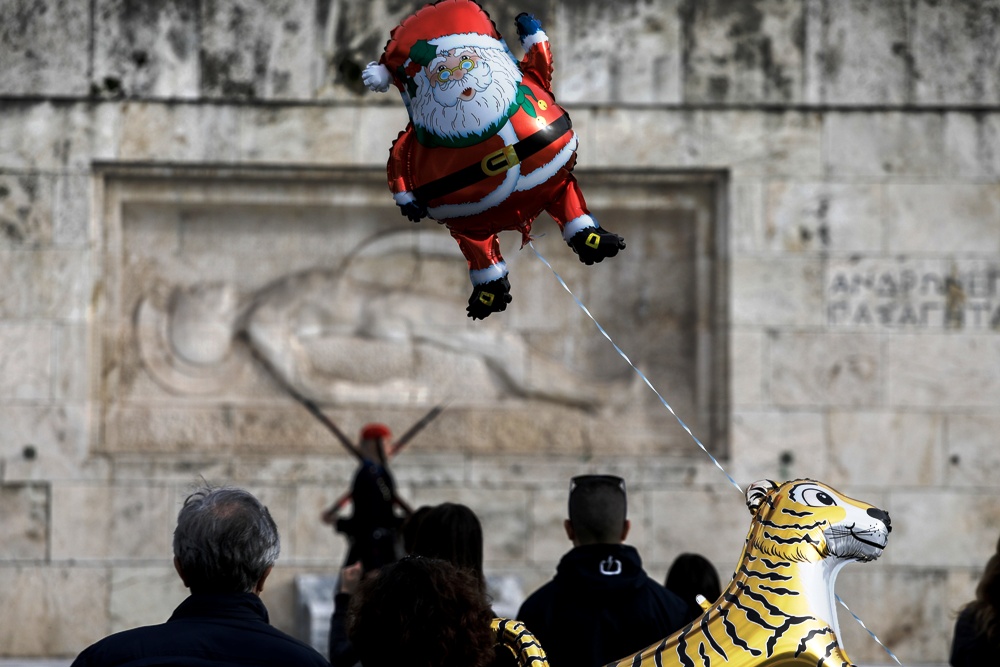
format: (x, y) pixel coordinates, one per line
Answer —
(601, 605)
(225, 545)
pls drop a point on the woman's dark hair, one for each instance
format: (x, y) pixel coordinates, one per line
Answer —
(422, 612)
(986, 607)
(691, 575)
(451, 532)
(411, 526)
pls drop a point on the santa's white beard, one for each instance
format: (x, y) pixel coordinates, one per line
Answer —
(439, 110)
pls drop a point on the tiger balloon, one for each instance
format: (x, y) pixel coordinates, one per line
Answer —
(521, 644)
(779, 609)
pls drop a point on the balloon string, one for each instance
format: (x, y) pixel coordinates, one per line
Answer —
(679, 420)
(638, 372)
(862, 623)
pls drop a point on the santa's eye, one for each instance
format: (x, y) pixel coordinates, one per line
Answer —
(467, 64)
(817, 497)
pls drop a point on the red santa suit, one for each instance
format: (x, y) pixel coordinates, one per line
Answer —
(479, 183)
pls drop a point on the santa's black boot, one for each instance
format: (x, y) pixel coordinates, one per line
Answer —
(491, 297)
(594, 244)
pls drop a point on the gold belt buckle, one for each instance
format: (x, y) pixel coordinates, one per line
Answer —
(499, 161)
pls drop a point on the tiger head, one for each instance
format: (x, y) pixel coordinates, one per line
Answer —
(804, 520)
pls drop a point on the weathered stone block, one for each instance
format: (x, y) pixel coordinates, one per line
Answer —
(942, 218)
(26, 204)
(954, 49)
(637, 138)
(616, 53)
(879, 144)
(258, 51)
(46, 284)
(920, 517)
(743, 52)
(70, 600)
(870, 448)
(26, 356)
(952, 371)
(127, 521)
(25, 511)
(180, 132)
(777, 445)
(973, 455)
(746, 362)
(820, 217)
(547, 508)
(825, 369)
(146, 50)
(713, 523)
(144, 595)
(972, 146)
(45, 48)
(304, 135)
(863, 55)
(71, 217)
(306, 539)
(906, 608)
(776, 292)
(773, 144)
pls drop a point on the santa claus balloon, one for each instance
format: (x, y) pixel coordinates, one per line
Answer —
(487, 148)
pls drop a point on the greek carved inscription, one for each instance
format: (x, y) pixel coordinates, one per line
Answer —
(915, 295)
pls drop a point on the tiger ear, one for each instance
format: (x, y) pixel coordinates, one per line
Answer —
(756, 493)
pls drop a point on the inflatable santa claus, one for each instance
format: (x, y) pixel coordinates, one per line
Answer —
(487, 148)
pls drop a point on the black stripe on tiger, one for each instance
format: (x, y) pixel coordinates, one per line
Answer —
(791, 540)
(787, 625)
(682, 651)
(775, 566)
(734, 636)
(704, 657)
(705, 630)
(797, 526)
(785, 510)
(805, 640)
(768, 576)
(778, 591)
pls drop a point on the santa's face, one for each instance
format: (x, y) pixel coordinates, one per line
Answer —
(464, 91)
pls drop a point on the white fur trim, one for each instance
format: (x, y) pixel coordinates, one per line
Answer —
(376, 77)
(466, 39)
(483, 276)
(549, 169)
(530, 40)
(494, 198)
(403, 198)
(576, 224)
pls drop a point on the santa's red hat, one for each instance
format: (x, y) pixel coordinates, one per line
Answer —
(432, 30)
(375, 431)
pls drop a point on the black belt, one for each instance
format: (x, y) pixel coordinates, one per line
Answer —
(495, 163)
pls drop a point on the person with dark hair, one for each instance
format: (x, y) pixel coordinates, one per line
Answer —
(691, 576)
(422, 612)
(452, 532)
(976, 641)
(449, 531)
(225, 545)
(601, 605)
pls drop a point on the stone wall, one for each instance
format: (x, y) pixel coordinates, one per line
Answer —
(855, 151)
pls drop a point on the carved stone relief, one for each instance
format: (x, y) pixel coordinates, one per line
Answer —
(221, 302)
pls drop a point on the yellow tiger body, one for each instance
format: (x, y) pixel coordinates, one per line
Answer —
(780, 608)
(522, 644)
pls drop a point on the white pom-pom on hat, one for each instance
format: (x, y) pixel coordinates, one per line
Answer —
(376, 77)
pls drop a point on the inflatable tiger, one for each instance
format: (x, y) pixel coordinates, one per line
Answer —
(779, 609)
(521, 643)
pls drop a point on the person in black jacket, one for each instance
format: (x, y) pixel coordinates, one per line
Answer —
(601, 605)
(976, 641)
(225, 545)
